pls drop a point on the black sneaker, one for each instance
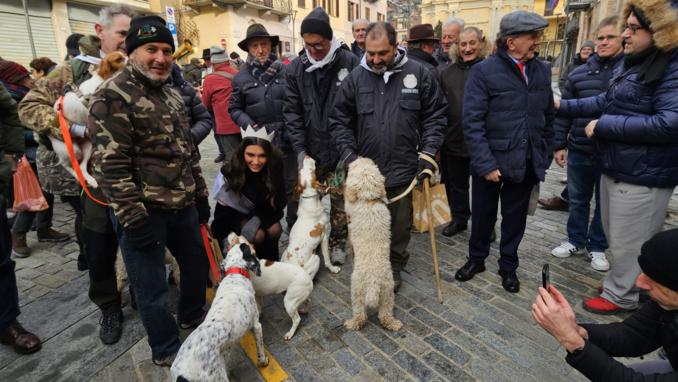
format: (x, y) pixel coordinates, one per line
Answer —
(110, 327)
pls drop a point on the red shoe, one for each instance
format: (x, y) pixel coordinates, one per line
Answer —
(600, 305)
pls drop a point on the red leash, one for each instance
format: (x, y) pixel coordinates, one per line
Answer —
(206, 240)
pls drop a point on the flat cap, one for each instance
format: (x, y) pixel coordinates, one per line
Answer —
(521, 22)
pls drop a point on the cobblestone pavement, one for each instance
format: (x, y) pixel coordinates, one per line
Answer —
(480, 332)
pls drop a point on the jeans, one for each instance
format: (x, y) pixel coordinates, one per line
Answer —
(9, 295)
(180, 232)
(583, 178)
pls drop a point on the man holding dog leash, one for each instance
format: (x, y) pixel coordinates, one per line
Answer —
(391, 110)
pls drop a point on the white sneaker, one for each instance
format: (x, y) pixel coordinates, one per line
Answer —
(599, 262)
(566, 249)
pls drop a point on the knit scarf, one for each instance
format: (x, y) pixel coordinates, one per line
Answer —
(652, 63)
(267, 71)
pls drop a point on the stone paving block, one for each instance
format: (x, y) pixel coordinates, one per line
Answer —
(448, 349)
(315, 356)
(413, 366)
(355, 341)
(38, 291)
(429, 319)
(285, 354)
(334, 374)
(29, 262)
(447, 369)
(27, 274)
(384, 367)
(24, 284)
(380, 340)
(368, 375)
(48, 269)
(303, 373)
(348, 361)
(327, 340)
(461, 322)
(49, 281)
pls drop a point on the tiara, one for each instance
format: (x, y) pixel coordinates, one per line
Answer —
(259, 133)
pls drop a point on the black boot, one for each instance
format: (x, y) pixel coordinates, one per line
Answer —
(110, 328)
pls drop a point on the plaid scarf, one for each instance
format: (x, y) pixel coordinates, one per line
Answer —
(267, 71)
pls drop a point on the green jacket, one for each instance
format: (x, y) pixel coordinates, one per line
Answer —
(143, 151)
(11, 136)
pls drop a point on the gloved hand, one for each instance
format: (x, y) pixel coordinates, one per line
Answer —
(424, 165)
(350, 158)
(203, 207)
(249, 230)
(141, 237)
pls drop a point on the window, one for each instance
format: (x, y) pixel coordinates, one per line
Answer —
(380, 17)
(301, 3)
(353, 11)
(315, 3)
(336, 8)
(367, 14)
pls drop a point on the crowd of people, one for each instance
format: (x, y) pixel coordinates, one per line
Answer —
(484, 109)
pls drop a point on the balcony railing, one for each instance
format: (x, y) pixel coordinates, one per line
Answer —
(279, 7)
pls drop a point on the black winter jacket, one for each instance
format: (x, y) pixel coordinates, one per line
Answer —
(355, 49)
(453, 79)
(647, 330)
(252, 102)
(390, 123)
(586, 80)
(576, 62)
(423, 58)
(637, 135)
(201, 119)
(507, 121)
(309, 101)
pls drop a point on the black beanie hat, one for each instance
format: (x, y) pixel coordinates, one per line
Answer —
(317, 22)
(145, 29)
(659, 258)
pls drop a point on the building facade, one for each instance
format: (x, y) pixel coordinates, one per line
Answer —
(50, 22)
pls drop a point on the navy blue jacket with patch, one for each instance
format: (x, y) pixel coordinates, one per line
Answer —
(390, 122)
(506, 121)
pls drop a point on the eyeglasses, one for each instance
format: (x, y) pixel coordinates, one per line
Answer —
(314, 46)
(633, 28)
(609, 37)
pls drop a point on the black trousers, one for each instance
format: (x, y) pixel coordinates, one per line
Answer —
(401, 224)
(456, 172)
(515, 198)
(101, 248)
(9, 295)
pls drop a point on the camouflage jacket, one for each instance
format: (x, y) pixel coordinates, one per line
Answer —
(143, 154)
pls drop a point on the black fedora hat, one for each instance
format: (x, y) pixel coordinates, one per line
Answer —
(421, 32)
(257, 30)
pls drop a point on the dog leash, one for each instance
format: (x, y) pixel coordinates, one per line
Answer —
(414, 181)
(65, 131)
(207, 242)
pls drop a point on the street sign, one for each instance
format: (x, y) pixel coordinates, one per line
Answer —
(169, 11)
(173, 30)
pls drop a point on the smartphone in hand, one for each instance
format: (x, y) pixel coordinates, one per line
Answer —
(545, 277)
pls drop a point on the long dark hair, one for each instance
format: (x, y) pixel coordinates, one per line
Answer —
(235, 169)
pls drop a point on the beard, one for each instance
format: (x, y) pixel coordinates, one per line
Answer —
(379, 70)
(146, 72)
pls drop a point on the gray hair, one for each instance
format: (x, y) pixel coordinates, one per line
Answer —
(359, 21)
(454, 21)
(454, 49)
(606, 22)
(107, 14)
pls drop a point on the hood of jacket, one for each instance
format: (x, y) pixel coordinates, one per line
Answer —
(663, 17)
(90, 45)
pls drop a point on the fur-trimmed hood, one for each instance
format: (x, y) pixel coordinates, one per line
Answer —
(663, 17)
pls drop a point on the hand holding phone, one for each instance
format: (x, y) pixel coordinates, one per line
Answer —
(545, 277)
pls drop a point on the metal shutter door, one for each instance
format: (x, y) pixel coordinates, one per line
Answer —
(18, 47)
(82, 27)
(82, 18)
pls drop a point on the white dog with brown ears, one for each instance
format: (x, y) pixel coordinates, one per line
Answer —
(233, 312)
(369, 231)
(312, 228)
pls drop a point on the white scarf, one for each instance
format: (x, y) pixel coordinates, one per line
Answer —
(88, 59)
(399, 61)
(328, 58)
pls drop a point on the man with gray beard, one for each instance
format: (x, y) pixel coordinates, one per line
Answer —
(147, 167)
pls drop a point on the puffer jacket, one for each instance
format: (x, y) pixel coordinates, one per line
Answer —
(636, 137)
(143, 156)
(390, 123)
(507, 121)
(309, 101)
(576, 62)
(253, 102)
(201, 120)
(585, 81)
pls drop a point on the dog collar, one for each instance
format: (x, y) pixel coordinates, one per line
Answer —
(237, 270)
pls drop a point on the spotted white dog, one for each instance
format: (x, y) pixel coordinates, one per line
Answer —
(312, 228)
(233, 312)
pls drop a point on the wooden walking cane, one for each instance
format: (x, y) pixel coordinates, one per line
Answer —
(432, 234)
